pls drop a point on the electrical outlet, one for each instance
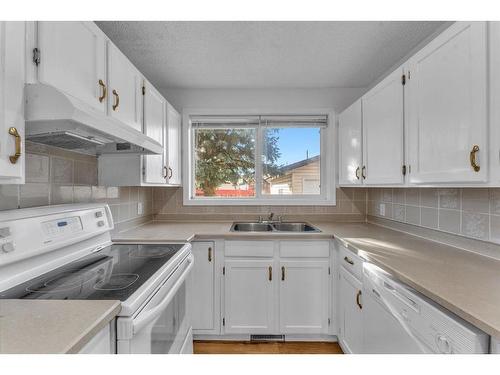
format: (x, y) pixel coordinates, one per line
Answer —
(382, 209)
(140, 208)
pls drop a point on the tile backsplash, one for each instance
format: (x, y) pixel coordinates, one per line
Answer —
(470, 212)
(351, 206)
(56, 176)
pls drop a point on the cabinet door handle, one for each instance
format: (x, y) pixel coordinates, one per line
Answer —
(270, 270)
(282, 273)
(473, 163)
(209, 254)
(117, 100)
(13, 158)
(165, 174)
(104, 91)
(357, 172)
(171, 172)
(349, 260)
(363, 172)
(358, 299)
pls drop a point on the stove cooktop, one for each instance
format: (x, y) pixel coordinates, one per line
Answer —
(115, 272)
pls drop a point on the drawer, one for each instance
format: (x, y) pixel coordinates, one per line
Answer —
(262, 249)
(304, 249)
(351, 262)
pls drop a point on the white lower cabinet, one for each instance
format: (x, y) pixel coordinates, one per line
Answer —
(249, 296)
(203, 286)
(351, 312)
(304, 302)
(102, 343)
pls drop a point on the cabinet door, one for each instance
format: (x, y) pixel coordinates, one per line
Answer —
(154, 127)
(350, 156)
(248, 292)
(447, 106)
(351, 313)
(125, 89)
(202, 295)
(174, 145)
(73, 59)
(383, 130)
(304, 296)
(12, 72)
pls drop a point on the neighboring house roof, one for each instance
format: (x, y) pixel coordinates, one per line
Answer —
(298, 164)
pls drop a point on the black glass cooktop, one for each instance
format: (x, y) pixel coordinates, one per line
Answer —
(115, 272)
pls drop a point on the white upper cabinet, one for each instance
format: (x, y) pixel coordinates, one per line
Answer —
(350, 145)
(173, 145)
(447, 107)
(73, 59)
(12, 79)
(125, 89)
(383, 131)
(154, 127)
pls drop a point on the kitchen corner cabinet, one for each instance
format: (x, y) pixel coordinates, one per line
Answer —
(174, 131)
(203, 287)
(304, 302)
(155, 170)
(383, 132)
(125, 84)
(12, 79)
(351, 312)
(447, 107)
(249, 296)
(73, 60)
(350, 145)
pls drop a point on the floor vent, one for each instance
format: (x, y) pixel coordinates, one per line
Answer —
(267, 337)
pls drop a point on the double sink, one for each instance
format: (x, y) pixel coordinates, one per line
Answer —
(274, 227)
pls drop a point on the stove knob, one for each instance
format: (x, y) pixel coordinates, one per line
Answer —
(100, 223)
(8, 247)
(4, 232)
(443, 344)
(98, 214)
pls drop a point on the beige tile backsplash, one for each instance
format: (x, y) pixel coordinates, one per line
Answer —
(56, 176)
(470, 212)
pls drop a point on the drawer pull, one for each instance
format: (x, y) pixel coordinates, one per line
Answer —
(349, 260)
(13, 158)
(358, 299)
(473, 163)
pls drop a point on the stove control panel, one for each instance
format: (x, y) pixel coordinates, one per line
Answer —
(62, 227)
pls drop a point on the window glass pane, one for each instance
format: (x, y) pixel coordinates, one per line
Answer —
(291, 161)
(224, 162)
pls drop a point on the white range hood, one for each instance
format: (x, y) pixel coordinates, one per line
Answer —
(60, 120)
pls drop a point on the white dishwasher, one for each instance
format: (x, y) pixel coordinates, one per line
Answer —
(398, 319)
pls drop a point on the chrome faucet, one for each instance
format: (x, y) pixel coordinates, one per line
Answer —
(270, 219)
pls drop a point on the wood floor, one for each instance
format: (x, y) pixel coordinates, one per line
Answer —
(246, 347)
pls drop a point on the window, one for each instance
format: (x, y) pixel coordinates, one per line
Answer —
(259, 160)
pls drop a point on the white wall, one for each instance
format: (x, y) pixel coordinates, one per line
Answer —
(336, 98)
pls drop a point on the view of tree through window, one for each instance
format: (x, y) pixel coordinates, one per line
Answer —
(225, 163)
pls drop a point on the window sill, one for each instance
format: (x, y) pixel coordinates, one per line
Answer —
(259, 202)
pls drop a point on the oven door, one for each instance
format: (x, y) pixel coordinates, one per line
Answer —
(163, 325)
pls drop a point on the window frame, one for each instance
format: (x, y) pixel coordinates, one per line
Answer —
(327, 165)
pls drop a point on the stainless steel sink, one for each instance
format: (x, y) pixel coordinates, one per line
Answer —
(251, 227)
(295, 227)
(274, 227)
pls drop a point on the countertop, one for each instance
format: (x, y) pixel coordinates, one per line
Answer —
(51, 326)
(465, 283)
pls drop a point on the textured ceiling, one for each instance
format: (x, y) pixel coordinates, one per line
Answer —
(265, 54)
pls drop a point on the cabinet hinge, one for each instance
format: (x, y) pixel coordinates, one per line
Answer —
(224, 270)
(409, 75)
(223, 321)
(403, 79)
(329, 321)
(329, 271)
(403, 170)
(143, 170)
(143, 90)
(36, 56)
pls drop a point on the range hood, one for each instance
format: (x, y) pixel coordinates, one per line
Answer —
(60, 120)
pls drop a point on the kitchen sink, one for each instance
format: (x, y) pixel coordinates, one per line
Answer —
(295, 227)
(274, 227)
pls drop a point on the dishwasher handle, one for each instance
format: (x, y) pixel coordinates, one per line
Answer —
(155, 312)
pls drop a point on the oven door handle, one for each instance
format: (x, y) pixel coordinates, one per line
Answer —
(144, 319)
